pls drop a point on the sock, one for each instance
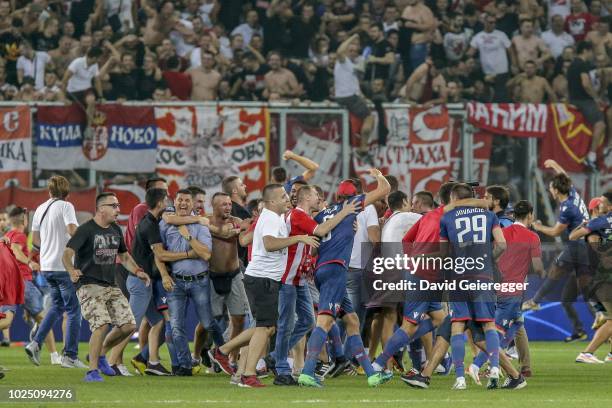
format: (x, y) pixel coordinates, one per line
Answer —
(425, 326)
(170, 344)
(492, 339)
(458, 353)
(355, 346)
(396, 342)
(314, 347)
(546, 287)
(144, 353)
(510, 333)
(337, 348)
(153, 362)
(480, 359)
(415, 354)
(217, 333)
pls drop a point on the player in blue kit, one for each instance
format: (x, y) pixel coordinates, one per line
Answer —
(334, 254)
(470, 233)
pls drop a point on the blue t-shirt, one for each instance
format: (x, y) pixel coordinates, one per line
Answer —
(579, 202)
(470, 232)
(338, 244)
(173, 241)
(570, 213)
(602, 226)
(289, 183)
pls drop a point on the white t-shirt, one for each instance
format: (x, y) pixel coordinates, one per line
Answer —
(367, 218)
(557, 43)
(455, 45)
(558, 7)
(492, 48)
(345, 79)
(398, 225)
(182, 47)
(53, 233)
(82, 75)
(266, 264)
(35, 67)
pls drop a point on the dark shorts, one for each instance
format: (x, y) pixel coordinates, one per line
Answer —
(507, 312)
(474, 305)
(263, 299)
(355, 105)
(589, 110)
(160, 296)
(80, 96)
(330, 280)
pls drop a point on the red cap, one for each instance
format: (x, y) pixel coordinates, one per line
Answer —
(346, 188)
(594, 203)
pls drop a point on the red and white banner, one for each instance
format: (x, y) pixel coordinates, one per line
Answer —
(321, 142)
(201, 146)
(511, 119)
(417, 152)
(15, 145)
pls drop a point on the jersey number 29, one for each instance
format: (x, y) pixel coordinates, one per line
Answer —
(476, 225)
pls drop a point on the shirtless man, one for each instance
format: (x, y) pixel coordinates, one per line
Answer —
(205, 79)
(62, 56)
(159, 24)
(426, 85)
(418, 17)
(527, 46)
(531, 88)
(601, 38)
(280, 82)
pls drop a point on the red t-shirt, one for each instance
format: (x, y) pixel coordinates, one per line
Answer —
(179, 84)
(136, 216)
(424, 238)
(298, 223)
(19, 238)
(579, 25)
(522, 246)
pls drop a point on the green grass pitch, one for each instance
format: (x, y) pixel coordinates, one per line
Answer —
(557, 382)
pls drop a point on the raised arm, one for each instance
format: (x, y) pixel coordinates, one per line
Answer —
(310, 166)
(551, 164)
(382, 188)
(342, 50)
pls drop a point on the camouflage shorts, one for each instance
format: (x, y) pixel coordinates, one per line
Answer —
(102, 305)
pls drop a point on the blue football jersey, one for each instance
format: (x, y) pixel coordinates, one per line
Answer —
(571, 212)
(602, 226)
(338, 244)
(470, 232)
(579, 202)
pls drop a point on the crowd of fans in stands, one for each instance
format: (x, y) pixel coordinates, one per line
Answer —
(410, 50)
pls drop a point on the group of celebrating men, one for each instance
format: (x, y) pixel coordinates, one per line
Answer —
(256, 272)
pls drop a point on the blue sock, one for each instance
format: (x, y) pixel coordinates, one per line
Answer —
(217, 333)
(492, 339)
(336, 342)
(399, 339)
(314, 347)
(144, 353)
(425, 326)
(510, 333)
(415, 353)
(355, 346)
(170, 344)
(480, 359)
(458, 353)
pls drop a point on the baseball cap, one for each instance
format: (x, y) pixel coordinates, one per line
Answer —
(594, 203)
(346, 188)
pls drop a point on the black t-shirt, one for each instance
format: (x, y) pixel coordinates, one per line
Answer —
(239, 211)
(574, 83)
(302, 34)
(147, 85)
(379, 71)
(147, 233)
(9, 50)
(42, 43)
(277, 35)
(253, 83)
(125, 84)
(96, 250)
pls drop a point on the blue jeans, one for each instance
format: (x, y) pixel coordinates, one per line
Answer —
(199, 293)
(357, 293)
(291, 299)
(63, 299)
(418, 55)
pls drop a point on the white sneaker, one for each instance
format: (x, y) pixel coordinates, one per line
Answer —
(494, 372)
(68, 362)
(512, 353)
(609, 358)
(124, 370)
(460, 384)
(588, 358)
(473, 372)
(32, 349)
(56, 359)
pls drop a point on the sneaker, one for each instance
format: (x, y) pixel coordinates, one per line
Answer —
(307, 381)
(609, 358)
(515, 383)
(68, 362)
(416, 381)
(195, 370)
(235, 379)
(576, 337)
(221, 359)
(340, 366)
(250, 381)
(474, 373)
(588, 358)
(447, 363)
(93, 376)
(56, 359)
(121, 370)
(105, 367)
(33, 351)
(183, 372)
(387, 375)
(378, 379)
(270, 364)
(526, 372)
(1, 375)
(157, 370)
(324, 369)
(459, 384)
(512, 352)
(139, 364)
(530, 305)
(5, 343)
(412, 372)
(284, 379)
(196, 361)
